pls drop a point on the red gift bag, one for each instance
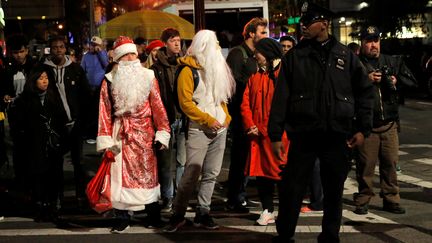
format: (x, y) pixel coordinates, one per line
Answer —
(99, 188)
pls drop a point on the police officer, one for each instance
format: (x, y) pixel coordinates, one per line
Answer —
(324, 101)
(388, 75)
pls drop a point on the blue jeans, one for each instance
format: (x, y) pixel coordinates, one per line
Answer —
(180, 141)
(166, 161)
(181, 156)
(164, 158)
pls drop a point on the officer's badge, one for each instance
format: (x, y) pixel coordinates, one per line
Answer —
(371, 30)
(340, 64)
(304, 7)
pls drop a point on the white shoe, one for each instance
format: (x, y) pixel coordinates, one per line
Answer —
(266, 218)
(91, 141)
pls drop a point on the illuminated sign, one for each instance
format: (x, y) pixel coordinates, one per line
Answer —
(294, 20)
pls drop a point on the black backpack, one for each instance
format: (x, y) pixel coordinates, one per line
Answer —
(184, 118)
(244, 54)
(195, 80)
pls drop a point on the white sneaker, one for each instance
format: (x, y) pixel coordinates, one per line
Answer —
(266, 218)
(91, 141)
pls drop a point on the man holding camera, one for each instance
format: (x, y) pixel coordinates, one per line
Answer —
(388, 75)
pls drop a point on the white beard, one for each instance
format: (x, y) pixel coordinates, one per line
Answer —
(130, 87)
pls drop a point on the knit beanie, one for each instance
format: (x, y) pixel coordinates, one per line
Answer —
(152, 45)
(269, 48)
(122, 46)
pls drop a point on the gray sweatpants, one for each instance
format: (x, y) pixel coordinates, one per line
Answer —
(204, 157)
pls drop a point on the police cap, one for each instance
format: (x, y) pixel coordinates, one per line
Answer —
(312, 12)
(370, 33)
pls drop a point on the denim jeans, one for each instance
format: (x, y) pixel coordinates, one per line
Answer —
(180, 141)
(166, 161)
(181, 157)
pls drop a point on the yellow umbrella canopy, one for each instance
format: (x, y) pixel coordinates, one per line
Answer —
(148, 24)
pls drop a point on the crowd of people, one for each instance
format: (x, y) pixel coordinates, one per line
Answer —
(295, 111)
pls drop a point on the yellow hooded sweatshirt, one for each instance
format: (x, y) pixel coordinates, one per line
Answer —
(196, 105)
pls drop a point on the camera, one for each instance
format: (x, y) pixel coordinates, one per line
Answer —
(386, 80)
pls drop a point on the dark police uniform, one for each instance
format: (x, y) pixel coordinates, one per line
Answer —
(321, 99)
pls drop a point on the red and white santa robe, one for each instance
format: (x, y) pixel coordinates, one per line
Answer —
(131, 136)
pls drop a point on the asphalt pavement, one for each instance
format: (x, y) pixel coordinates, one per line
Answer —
(84, 225)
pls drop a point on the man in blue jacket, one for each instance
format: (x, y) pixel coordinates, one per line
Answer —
(94, 64)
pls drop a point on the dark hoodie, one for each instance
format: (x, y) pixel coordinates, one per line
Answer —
(71, 85)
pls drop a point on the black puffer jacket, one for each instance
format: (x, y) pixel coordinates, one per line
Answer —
(314, 93)
(29, 116)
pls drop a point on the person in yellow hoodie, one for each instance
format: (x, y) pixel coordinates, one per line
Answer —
(206, 107)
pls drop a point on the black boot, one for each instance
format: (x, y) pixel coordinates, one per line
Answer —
(121, 226)
(45, 212)
(122, 221)
(40, 212)
(153, 219)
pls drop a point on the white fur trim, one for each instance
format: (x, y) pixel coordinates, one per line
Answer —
(136, 199)
(109, 76)
(104, 142)
(123, 50)
(163, 137)
(149, 75)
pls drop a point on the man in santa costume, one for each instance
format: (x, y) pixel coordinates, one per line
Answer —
(130, 111)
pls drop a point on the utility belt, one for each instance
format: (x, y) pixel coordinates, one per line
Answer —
(382, 126)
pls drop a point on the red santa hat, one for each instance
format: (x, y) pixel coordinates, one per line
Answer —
(122, 46)
(154, 44)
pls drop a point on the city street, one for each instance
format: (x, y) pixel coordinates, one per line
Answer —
(377, 226)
